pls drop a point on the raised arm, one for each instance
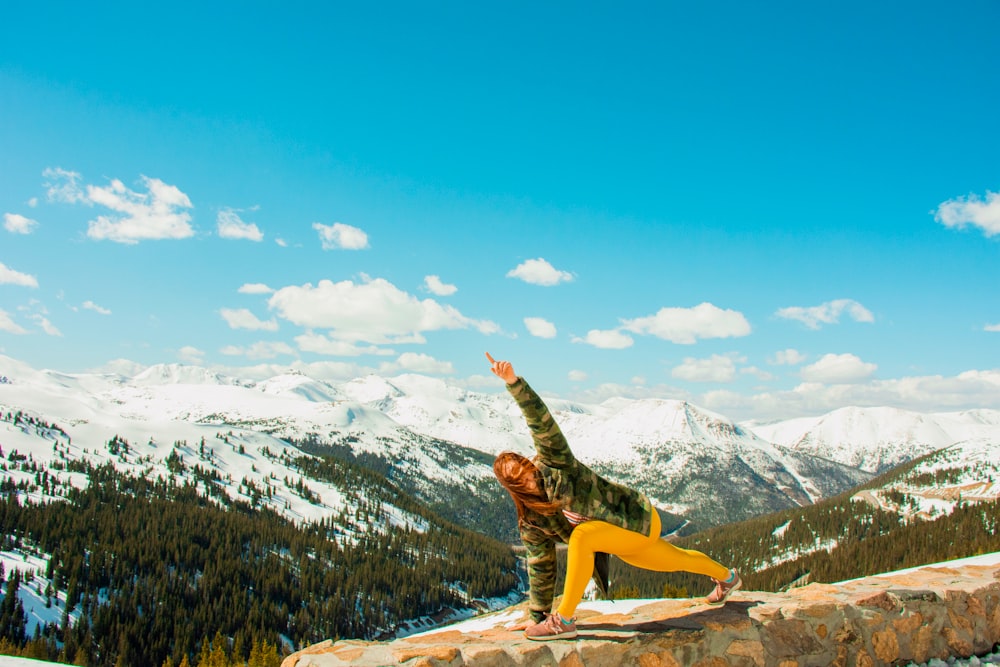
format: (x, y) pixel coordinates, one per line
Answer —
(550, 443)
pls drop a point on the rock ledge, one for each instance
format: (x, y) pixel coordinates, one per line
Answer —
(934, 612)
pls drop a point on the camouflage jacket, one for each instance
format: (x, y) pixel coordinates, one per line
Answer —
(576, 488)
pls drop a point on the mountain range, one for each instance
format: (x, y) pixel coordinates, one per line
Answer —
(437, 440)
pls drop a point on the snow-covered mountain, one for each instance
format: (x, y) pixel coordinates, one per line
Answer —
(438, 438)
(877, 439)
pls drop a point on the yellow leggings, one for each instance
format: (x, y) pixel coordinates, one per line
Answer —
(648, 552)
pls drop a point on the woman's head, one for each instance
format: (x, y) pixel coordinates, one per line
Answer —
(523, 481)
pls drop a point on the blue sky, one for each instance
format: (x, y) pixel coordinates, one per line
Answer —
(769, 209)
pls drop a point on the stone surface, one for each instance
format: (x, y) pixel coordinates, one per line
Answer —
(891, 619)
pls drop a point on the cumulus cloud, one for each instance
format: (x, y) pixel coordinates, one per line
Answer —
(837, 369)
(9, 276)
(971, 210)
(577, 376)
(90, 305)
(18, 224)
(992, 327)
(339, 236)
(717, 368)
(254, 288)
(9, 325)
(540, 327)
(827, 313)
(63, 186)
(789, 357)
(685, 326)
(611, 339)
(259, 350)
(539, 272)
(435, 286)
(242, 318)
(159, 213)
(320, 344)
(374, 311)
(413, 362)
(231, 226)
(191, 355)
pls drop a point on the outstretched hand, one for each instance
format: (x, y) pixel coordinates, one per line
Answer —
(502, 369)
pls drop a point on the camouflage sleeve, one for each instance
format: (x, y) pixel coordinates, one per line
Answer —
(541, 553)
(550, 443)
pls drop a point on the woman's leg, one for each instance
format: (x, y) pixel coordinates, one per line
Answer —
(648, 552)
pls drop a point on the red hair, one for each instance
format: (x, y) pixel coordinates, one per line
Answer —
(523, 482)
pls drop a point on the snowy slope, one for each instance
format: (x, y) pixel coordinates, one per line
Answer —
(876, 439)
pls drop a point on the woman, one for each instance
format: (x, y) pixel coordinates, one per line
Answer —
(560, 499)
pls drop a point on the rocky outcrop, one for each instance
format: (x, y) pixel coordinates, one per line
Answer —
(887, 620)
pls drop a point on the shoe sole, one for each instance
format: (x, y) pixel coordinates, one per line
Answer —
(547, 638)
(738, 586)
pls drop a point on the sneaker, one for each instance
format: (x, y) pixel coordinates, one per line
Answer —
(553, 627)
(723, 589)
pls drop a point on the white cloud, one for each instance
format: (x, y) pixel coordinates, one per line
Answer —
(789, 357)
(18, 224)
(539, 272)
(577, 376)
(611, 339)
(46, 325)
(837, 369)
(156, 214)
(374, 311)
(9, 276)
(418, 363)
(33, 202)
(758, 373)
(826, 313)
(540, 327)
(992, 327)
(932, 393)
(62, 186)
(320, 344)
(242, 318)
(231, 226)
(435, 286)
(259, 350)
(191, 355)
(717, 368)
(254, 288)
(971, 210)
(685, 326)
(9, 325)
(90, 305)
(341, 236)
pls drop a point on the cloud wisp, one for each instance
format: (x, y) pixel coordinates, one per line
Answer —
(838, 369)
(436, 287)
(230, 225)
(339, 236)
(9, 276)
(18, 224)
(540, 327)
(539, 272)
(826, 313)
